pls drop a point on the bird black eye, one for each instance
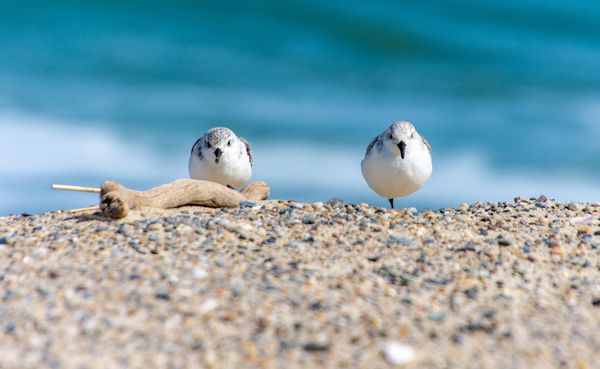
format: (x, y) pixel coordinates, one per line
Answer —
(390, 136)
(229, 143)
(208, 145)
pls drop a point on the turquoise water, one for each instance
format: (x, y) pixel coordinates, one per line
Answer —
(507, 93)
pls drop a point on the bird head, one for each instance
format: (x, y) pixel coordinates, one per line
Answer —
(398, 136)
(217, 141)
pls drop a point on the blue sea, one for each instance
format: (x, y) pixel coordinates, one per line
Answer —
(507, 93)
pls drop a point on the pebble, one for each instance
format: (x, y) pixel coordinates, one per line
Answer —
(315, 347)
(399, 239)
(557, 250)
(503, 241)
(397, 353)
(200, 273)
(162, 296)
(155, 227)
(462, 219)
(471, 293)
(209, 305)
(581, 220)
(335, 202)
(437, 317)
(469, 246)
(309, 219)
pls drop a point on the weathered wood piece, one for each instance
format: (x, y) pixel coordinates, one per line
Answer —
(116, 201)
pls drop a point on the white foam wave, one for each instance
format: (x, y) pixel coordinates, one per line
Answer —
(468, 178)
(35, 147)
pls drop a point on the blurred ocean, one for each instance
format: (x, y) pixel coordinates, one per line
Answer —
(507, 92)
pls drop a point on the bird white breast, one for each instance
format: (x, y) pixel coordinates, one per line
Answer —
(391, 176)
(233, 170)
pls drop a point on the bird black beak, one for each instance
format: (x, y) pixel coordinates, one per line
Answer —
(402, 147)
(218, 153)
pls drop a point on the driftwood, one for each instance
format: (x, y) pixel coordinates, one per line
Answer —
(116, 201)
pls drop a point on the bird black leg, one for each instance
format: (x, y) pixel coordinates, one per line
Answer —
(391, 202)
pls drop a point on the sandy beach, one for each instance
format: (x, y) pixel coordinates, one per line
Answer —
(280, 284)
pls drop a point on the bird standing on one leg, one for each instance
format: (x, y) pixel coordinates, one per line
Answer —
(222, 157)
(397, 162)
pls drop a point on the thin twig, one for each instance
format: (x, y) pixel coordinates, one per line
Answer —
(81, 210)
(75, 188)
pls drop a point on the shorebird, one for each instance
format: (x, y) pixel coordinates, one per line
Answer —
(397, 162)
(221, 156)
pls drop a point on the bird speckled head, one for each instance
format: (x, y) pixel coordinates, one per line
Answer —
(215, 142)
(219, 137)
(219, 141)
(401, 135)
(401, 130)
(396, 139)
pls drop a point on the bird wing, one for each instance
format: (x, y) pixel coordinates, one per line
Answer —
(248, 151)
(375, 140)
(426, 144)
(195, 147)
